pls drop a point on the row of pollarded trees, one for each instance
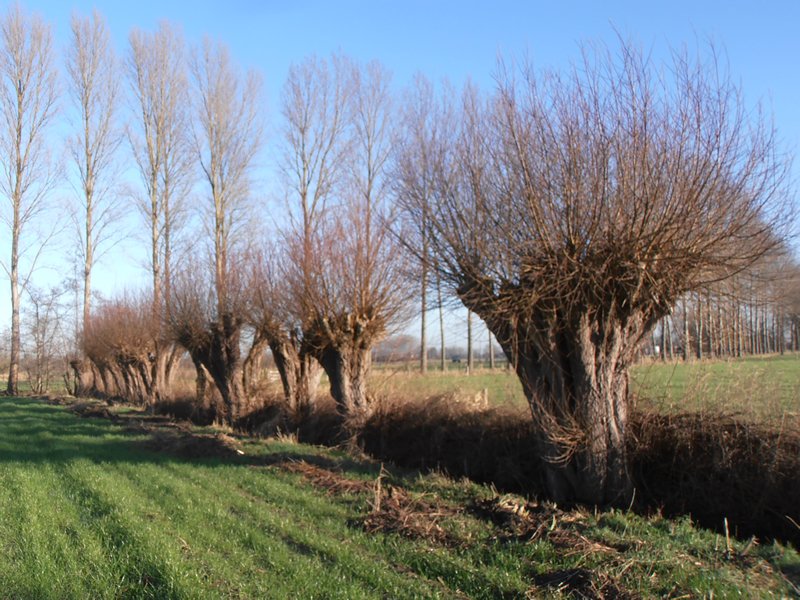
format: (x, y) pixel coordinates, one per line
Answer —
(569, 210)
(320, 293)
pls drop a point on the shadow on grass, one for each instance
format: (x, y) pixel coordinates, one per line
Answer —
(32, 431)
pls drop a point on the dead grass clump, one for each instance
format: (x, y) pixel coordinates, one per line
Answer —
(58, 400)
(516, 517)
(580, 583)
(187, 408)
(492, 445)
(395, 511)
(519, 519)
(326, 479)
(185, 444)
(717, 467)
(91, 410)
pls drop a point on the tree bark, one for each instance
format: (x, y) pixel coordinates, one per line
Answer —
(686, 340)
(223, 362)
(442, 350)
(423, 333)
(470, 363)
(300, 374)
(85, 384)
(13, 368)
(575, 378)
(347, 369)
(252, 363)
(699, 322)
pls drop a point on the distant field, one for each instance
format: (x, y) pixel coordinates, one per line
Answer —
(502, 386)
(92, 510)
(759, 386)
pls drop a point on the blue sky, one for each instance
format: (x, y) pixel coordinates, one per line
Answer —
(455, 40)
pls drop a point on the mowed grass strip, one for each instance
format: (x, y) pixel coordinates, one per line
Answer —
(89, 512)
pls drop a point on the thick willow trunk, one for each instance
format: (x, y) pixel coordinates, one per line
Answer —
(252, 364)
(229, 385)
(347, 368)
(84, 383)
(223, 361)
(300, 374)
(201, 380)
(575, 377)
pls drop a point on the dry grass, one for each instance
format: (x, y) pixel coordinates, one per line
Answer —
(332, 482)
(394, 510)
(580, 583)
(717, 467)
(91, 410)
(709, 465)
(187, 444)
(490, 445)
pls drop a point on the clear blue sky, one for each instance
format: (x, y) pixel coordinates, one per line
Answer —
(461, 39)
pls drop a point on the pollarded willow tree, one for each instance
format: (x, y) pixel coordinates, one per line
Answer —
(341, 266)
(575, 208)
(272, 316)
(227, 140)
(314, 149)
(359, 290)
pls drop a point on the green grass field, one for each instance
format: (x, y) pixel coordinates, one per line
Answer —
(90, 511)
(756, 386)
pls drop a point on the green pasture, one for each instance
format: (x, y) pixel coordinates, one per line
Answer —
(754, 386)
(90, 510)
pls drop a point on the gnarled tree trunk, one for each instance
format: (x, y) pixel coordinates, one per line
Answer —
(300, 374)
(347, 367)
(252, 363)
(84, 378)
(222, 360)
(574, 375)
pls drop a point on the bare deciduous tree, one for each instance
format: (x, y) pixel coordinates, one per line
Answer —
(314, 149)
(212, 340)
(46, 342)
(274, 322)
(227, 141)
(358, 286)
(426, 128)
(120, 341)
(94, 89)
(417, 124)
(160, 139)
(584, 204)
(28, 102)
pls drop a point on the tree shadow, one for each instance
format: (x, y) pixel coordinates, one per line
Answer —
(33, 431)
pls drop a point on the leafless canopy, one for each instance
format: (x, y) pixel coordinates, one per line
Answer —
(341, 264)
(159, 137)
(571, 211)
(94, 88)
(227, 140)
